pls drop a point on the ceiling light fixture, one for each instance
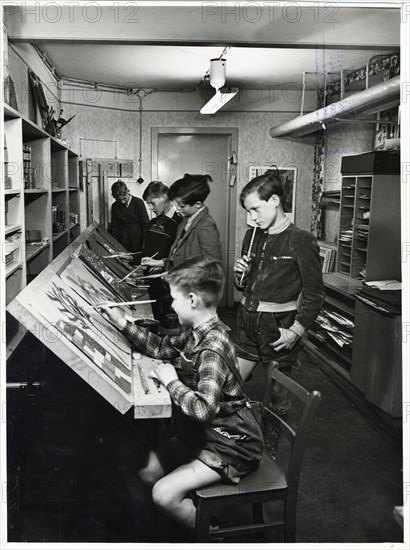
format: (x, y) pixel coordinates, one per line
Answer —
(218, 101)
(217, 75)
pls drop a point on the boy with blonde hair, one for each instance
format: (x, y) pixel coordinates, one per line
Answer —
(216, 436)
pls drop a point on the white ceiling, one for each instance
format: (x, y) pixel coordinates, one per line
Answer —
(176, 67)
(164, 47)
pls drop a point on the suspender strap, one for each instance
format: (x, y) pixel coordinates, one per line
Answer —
(232, 368)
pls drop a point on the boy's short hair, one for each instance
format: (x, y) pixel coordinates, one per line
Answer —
(119, 189)
(266, 185)
(201, 275)
(191, 188)
(155, 189)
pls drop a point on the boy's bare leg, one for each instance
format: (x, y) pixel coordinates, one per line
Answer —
(152, 471)
(169, 493)
(163, 459)
(246, 367)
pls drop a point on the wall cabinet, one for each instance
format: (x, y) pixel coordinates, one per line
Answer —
(369, 235)
(43, 204)
(371, 358)
(377, 361)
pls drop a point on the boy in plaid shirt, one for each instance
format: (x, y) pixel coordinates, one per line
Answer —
(215, 437)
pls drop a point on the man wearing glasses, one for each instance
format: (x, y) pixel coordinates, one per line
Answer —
(129, 218)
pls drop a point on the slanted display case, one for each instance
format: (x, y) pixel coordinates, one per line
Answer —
(58, 307)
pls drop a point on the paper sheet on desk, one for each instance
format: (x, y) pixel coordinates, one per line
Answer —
(390, 284)
(91, 289)
(63, 313)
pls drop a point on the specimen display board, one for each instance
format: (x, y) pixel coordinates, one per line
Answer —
(57, 307)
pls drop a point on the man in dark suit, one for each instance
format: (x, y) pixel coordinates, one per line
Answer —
(129, 218)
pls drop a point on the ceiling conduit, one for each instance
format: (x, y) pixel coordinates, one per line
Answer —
(377, 98)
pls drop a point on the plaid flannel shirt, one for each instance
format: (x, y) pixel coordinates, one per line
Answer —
(217, 391)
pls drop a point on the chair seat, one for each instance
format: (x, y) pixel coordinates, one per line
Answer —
(269, 476)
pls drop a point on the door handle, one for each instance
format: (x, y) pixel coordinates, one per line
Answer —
(233, 159)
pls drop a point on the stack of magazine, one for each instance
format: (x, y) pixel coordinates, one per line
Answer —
(337, 327)
(346, 236)
(327, 253)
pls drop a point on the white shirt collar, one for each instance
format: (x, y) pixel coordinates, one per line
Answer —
(191, 218)
(170, 212)
(284, 225)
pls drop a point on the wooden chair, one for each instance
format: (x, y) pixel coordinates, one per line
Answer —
(274, 480)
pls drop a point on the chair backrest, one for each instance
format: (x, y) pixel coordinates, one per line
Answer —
(297, 436)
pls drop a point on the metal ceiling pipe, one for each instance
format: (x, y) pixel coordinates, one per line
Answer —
(374, 99)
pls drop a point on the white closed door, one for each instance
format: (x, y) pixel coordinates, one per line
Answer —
(203, 151)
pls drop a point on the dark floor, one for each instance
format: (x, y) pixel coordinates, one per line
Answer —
(72, 461)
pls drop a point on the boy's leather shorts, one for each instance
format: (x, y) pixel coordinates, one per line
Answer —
(256, 330)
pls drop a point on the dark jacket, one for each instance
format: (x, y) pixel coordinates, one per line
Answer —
(129, 223)
(201, 239)
(284, 266)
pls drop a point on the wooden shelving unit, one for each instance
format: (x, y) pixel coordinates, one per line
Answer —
(55, 177)
(369, 227)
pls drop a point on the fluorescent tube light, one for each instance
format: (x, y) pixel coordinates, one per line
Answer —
(218, 101)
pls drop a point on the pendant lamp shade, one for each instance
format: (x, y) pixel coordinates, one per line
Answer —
(217, 73)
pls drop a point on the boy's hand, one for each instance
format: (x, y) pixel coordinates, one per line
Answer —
(126, 259)
(150, 262)
(114, 316)
(287, 339)
(165, 373)
(242, 265)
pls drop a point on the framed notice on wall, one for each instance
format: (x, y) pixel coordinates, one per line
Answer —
(288, 176)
